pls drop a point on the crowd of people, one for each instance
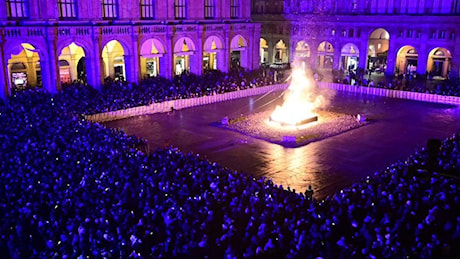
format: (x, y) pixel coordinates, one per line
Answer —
(74, 189)
(116, 95)
(406, 82)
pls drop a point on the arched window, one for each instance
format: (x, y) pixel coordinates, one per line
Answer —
(180, 9)
(16, 8)
(67, 9)
(209, 9)
(147, 9)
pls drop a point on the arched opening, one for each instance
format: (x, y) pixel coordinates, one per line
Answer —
(325, 55)
(377, 54)
(263, 51)
(281, 55)
(69, 59)
(439, 62)
(302, 54)
(349, 58)
(81, 69)
(406, 60)
(238, 54)
(183, 49)
(212, 49)
(114, 61)
(152, 51)
(24, 66)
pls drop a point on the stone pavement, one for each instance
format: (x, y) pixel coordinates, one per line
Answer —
(400, 127)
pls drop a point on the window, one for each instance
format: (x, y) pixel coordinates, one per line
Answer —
(452, 36)
(180, 9)
(442, 34)
(351, 33)
(67, 9)
(234, 9)
(209, 9)
(147, 9)
(410, 34)
(109, 9)
(16, 8)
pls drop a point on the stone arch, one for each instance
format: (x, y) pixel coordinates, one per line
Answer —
(113, 56)
(378, 47)
(302, 54)
(72, 53)
(439, 62)
(239, 52)
(349, 57)
(28, 75)
(263, 51)
(406, 60)
(325, 55)
(152, 57)
(213, 53)
(184, 55)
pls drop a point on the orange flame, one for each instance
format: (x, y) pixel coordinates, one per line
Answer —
(300, 101)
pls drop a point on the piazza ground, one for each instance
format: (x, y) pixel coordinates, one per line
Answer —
(400, 128)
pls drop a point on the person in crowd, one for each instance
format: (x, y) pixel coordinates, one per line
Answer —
(71, 188)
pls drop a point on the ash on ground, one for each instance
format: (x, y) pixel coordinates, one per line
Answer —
(328, 124)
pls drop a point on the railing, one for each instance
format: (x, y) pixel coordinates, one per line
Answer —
(198, 101)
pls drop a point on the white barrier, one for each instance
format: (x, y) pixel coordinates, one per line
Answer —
(165, 106)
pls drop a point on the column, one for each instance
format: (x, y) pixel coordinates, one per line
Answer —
(4, 89)
(132, 62)
(223, 56)
(166, 62)
(337, 55)
(49, 64)
(422, 59)
(196, 60)
(94, 63)
(255, 44)
(391, 59)
(363, 54)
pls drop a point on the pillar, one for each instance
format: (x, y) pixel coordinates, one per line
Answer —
(196, 60)
(49, 64)
(94, 62)
(167, 60)
(4, 89)
(132, 67)
(337, 55)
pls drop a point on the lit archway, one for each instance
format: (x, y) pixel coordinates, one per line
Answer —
(302, 55)
(24, 66)
(183, 49)
(281, 55)
(114, 60)
(377, 54)
(152, 52)
(349, 57)
(238, 54)
(439, 62)
(325, 55)
(263, 51)
(212, 53)
(70, 64)
(406, 60)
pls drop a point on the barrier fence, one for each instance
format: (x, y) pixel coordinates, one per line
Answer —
(181, 103)
(198, 101)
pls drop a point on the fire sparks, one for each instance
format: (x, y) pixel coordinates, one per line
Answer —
(300, 102)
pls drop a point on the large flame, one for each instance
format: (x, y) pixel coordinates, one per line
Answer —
(300, 100)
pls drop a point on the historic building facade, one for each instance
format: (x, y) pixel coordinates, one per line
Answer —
(50, 42)
(391, 36)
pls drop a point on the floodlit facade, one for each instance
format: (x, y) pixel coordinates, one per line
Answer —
(391, 36)
(58, 41)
